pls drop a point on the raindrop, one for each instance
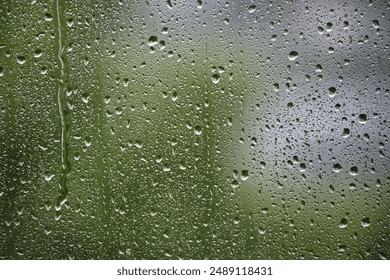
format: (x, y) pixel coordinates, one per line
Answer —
(337, 167)
(366, 222)
(198, 130)
(332, 91)
(38, 53)
(375, 23)
(152, 41)
(20, 59)
(362, 118)
(215, 78)
(48, 177)
(346, 132)
(342, 248)
(234, 184)
(293, 55)
(244, 175)
(252, 8)
(343, 223)
(353, 171)
(261, 230)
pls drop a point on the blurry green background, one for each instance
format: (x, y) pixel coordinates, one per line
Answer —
(194, 130)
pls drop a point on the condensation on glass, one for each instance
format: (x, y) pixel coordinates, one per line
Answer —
(194, 129)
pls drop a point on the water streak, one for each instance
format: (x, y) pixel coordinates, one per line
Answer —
(62, 112)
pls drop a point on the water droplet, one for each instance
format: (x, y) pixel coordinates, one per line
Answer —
(343, 223)
(38, 53)
(337, 167)
(198, 130)
(244, 175)
(375, 23)
(332, 92)
(342, 248)
(262, 230)
(48, 177)
(215, 78)
(366, 222)
(152, 41)
(20, 59)
(293, 55)
(346, 132)
(353, 171)
(234, 184)
(362, 118)
(252, 8)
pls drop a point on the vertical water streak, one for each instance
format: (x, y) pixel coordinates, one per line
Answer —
(62, 112)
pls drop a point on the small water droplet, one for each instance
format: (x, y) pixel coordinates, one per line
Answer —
(366, 222)
(346, 132)
(362, 118)
(293, 55)
(332, 92)
(262, 230)
(38, 53)
(20, 59)
(234, 184)
(198, 130)
(244, 175)
(252, 8)
(342, 248)
(337, 167)
(215, 78)
(375, 23)
(353, 171)
(152, 41)
(48, 177)
(343, 223)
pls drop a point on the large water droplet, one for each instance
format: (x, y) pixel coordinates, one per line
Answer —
(215, 78)
(293, 55)
(366, 222)
(20, 59)
(337, 167)
(152, 41)
(343, 223)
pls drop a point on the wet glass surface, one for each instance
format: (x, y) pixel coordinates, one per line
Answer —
(194, 130)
